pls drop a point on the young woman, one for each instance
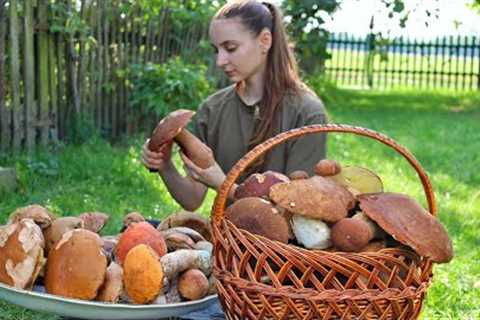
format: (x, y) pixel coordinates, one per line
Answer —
(267, 98)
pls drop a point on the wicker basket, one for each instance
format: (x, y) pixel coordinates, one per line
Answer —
(263, 279)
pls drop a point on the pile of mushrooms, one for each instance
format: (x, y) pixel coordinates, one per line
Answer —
(336, 209)
(143, 264)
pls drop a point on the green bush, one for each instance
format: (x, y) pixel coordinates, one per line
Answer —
(162, 88)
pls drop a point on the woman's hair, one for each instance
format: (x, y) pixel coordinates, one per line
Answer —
(281, 71)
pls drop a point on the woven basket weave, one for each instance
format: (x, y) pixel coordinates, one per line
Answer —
(263, 279)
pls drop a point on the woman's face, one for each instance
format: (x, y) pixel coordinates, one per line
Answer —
(239, 53)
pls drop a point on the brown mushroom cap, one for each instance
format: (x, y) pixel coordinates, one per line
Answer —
(40, 215)
(315, 197)
(76, 266)
(169, 127)
(142, 274)
(21, 253)
(327, 167)
(58, 228)
(112, 287)
(139, 233)
(259, 184)
(409, 223)
(259, 216)
(350, 234)
(132, 217)
(94, 221)
(298, 175)
(187, 219)
(193, 284)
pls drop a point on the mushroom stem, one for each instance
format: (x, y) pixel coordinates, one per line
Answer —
(195, 149)
(178, 261)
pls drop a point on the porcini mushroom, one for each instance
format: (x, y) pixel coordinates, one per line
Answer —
(409, 223)
(298, 175)
(176, 262)
(139, 233)
(58, 228)
(259, 184)
(187, 219)
(358, 180)
(132, 217)
(259, 216)
(327, 167)
(311, 233)
(112, 287)
(173, 127)
(21, 253)
(315, 197)
(94, 221)
(352, 234)
(76, 266)
(143, 275)
(40, 215)
(193, 284)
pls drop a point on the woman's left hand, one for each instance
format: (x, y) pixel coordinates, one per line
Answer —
(212, 176)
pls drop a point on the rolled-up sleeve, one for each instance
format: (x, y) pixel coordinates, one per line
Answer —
(303, 153)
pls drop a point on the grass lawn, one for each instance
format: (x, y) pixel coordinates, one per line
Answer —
(441, 129)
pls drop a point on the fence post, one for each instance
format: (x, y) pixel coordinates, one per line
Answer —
(370, 58)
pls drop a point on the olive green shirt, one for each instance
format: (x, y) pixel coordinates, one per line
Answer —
(225, 123)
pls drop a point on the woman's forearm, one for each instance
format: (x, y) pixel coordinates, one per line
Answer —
(186, 191)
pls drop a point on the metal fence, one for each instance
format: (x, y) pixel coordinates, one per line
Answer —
(370, 62)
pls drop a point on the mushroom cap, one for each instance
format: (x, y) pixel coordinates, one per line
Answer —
(349, 234)
(58, 228)
(359, 180)
(21, 253)
(76, 266)
(132, 217)
(327, 167)
(409, 223)
(169, 127)
(40, 215)
(193, 284)
(94, 221)
(142, 274)
(315, 197)
(187, 219)
(178, 240)
(259, 184)
(112, 287)
(298, 175)
(139, 233)
(259, 216)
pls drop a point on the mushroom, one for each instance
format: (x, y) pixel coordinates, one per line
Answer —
(327, 168)
(352, 234)
(173, 127)
(76, 266)
(94, 221)
(178, 240)
(259, 216)
(311, 233)
(316, 197)
(193, 234)
(143, 275)
(58, 228)
(112, 288)
(374, 246)
(298, 175)
(21, 253)
(139, 233)
(187, 219)
(193, 284)
(358, 180)
(132, 217)
(109, 244)
(40, 215)
(176, 262)
(259, 184)
(409, 223)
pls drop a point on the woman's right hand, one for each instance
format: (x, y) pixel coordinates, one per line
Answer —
(157, 161)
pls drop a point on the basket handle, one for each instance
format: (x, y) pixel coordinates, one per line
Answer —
(255, 153)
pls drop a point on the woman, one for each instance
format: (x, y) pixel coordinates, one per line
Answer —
(267, 98)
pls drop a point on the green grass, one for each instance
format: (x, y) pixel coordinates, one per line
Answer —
(442, 130)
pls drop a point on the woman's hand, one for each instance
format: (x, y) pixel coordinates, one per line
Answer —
(157, 161)
(212, 176)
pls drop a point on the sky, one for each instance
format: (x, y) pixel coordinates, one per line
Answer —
(454, 17)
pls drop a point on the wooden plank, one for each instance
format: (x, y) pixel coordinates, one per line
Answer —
(62, 100)
(113, 69)
(99, 82)
(5, 133)
(106, 101)
(52, 77)
(29, 76)
(43, 70)
(82, 66)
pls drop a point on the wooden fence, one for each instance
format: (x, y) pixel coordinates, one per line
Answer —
(50, 78)
(446, 62)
